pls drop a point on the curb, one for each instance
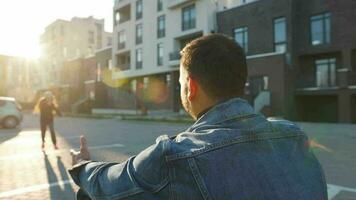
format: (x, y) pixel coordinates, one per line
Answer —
(156, 119)
(132, 118)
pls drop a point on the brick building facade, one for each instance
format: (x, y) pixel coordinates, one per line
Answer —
(302, 53)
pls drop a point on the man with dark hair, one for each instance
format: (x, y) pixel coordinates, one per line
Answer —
(230, 152)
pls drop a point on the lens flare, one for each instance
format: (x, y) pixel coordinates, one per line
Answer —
(107, 76)
(156, 91)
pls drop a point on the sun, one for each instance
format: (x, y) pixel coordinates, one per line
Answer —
(31, 51)
(20, 47)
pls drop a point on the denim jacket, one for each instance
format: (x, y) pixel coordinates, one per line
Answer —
(228, 153)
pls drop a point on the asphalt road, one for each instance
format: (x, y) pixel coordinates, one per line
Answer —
(28, 173)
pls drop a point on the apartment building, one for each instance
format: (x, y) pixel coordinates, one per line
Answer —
(148, 36)
(301, 56)
(67, 40)
(20, 78)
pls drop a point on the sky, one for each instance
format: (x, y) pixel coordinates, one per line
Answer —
(23, 21)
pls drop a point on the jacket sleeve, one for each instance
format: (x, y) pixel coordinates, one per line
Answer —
(57, 110)
(139, 177)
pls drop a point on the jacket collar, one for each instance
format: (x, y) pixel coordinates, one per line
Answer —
(230, 109)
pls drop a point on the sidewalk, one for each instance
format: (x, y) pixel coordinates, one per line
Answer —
(155, 115)
(28, 173)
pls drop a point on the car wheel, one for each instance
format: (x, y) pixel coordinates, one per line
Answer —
(10, 122)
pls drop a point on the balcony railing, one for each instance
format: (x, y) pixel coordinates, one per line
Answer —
(173, 56)
(117, 2)
(347, 78)
(306, 81)
(174, 3)
(121, 46)
(343, 78)
(123, 66)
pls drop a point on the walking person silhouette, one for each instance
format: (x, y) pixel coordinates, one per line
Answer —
(48, 107)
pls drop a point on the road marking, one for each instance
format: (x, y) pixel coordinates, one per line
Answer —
(33, 188)
(70, 137)
(333, 190)
(26, 134)
(40, 153)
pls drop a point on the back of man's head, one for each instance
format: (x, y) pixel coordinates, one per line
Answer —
(218, 64)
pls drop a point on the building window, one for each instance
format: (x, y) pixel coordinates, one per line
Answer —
(280, 35)
(241, 37)
(320, 29)
(91, 37)
(122, 40)
(160, 54)
(138, 58)
(188, 17)
(325, 72)
(109, 41)
(159, 5)
(123, 61)
(139, 9)
(138, 33)
(161, 26)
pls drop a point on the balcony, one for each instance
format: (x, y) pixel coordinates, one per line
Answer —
(123, 61)
(121, 46)
(174, 58)
(342, 79)
(122, 15)
(175, 3)
(123, 66)
(346, 78)
(118, 2)
(307, 82)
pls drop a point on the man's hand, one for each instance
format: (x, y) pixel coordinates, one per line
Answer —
(81, 155)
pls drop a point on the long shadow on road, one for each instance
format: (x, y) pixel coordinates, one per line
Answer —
(56, 191)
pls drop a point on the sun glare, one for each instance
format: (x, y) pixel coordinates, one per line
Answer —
(32, 51)
(22, 29)
(13, 46)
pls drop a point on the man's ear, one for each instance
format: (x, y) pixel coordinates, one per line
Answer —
(192, 88)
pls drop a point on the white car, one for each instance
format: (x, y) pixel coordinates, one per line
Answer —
(10, 112)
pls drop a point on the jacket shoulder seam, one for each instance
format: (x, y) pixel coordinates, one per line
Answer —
(241, 139)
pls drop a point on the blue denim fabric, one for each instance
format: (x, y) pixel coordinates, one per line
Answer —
(229, 153)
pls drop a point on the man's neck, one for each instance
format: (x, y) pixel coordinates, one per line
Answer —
(205, 110)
